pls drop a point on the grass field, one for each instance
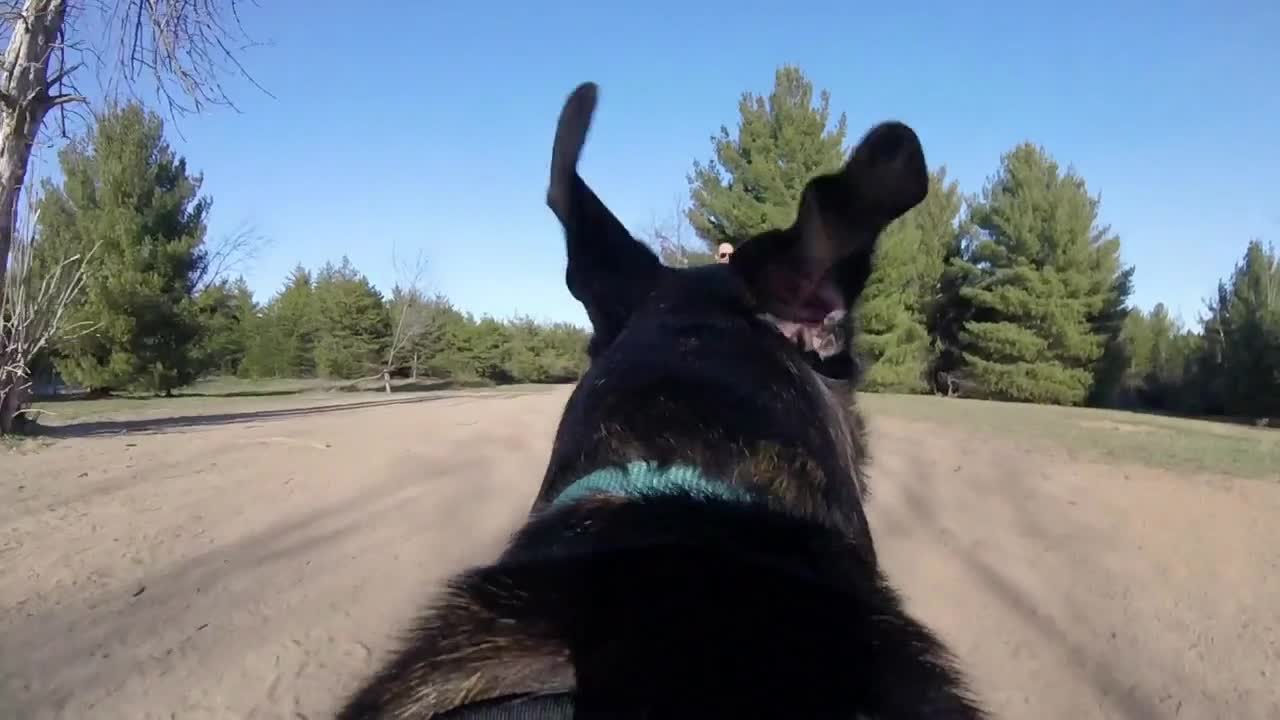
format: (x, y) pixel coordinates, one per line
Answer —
(225, 394)
(1167, 443)
(231, 399)
(1109, 436)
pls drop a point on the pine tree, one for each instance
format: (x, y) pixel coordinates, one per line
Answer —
(281, 339)
(490, 347)
(354, 327)
(904, 289)
(448, 340)
(1249, 315)
(1210, 366)
(1037, 273)
(754, 182)
(295, 324)
(1160, 355)
(1109, 376)
(227, 311)
(538, 353)
(125, 188)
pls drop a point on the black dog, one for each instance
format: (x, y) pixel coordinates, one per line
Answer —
(698, 547)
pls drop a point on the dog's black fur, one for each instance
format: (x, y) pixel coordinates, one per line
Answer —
(675, 606)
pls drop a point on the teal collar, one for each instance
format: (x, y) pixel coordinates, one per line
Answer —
(642, 478)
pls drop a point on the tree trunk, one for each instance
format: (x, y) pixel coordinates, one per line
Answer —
(414, 370)
(386, 381)
(13, 392)
(24, 102)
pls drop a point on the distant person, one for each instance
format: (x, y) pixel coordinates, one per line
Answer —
(724, 252)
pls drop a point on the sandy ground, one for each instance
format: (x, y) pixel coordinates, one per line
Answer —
(257, 565)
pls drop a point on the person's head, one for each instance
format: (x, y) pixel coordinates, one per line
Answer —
(724, 252)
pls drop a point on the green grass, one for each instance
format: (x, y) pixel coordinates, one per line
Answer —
(208, 396)
(1180, 445)
(229, 395)
(1169, 443)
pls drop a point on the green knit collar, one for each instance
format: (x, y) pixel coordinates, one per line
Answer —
(645, 478)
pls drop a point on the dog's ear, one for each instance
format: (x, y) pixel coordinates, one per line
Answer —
(609, 272)
(807, 277)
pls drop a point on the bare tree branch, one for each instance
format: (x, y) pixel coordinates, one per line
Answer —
(33, 313)
(669, 239)
(58, 77)
(183, 47)
(229, 254)
(56, 100)
(408, 312)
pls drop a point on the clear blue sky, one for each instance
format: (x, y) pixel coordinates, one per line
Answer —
(431, 127)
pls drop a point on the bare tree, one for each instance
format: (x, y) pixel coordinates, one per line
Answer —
(408, 316)
(32, 315)
(409, 308)
(229, 254)
(179, 48)
(671, 238)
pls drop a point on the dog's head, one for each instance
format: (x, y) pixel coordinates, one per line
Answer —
(754, 355)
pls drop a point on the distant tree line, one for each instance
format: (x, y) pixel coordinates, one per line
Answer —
(1016, 293)
(1230, 365)
(336, 324)
(163, 311)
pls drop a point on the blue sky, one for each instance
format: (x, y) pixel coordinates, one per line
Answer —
(431, 128)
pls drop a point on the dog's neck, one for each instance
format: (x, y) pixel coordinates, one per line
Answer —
(643, 478)
(805, 460)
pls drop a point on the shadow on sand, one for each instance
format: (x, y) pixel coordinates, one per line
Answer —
(100, 428)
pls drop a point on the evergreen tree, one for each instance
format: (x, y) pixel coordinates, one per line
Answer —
(754, 182)
(227, 311)
(950, 314)
(408, 311)
(545, 353)
(1249, 319)
(1210, 364)
(354, 325)
(1163, 356)
(446, 341)
(1161, 360)
(528, 358)
(490, 347)
(904, 289)
(1037, 274)
(1110, 371)
(294, 323)
(281, 340)
(1138, 342)
(260, 352)
(125, 188)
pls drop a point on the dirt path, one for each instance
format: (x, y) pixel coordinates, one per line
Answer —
(256, 569)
